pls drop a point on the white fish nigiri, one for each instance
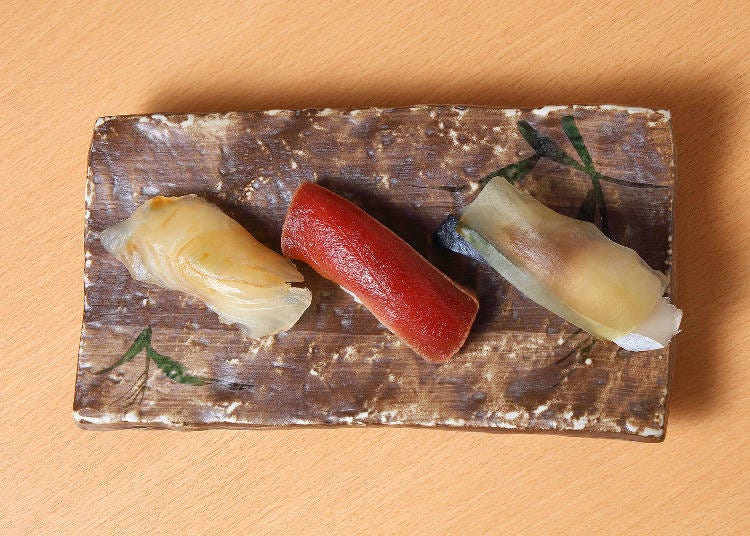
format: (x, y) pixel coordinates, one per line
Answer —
(569, 267)
(190, 245)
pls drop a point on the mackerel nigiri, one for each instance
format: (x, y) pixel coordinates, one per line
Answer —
(412, 298)
(190, 245)
(567, 266)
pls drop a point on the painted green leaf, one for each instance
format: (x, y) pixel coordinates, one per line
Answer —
(587, 212)
(141, 342)
(601, 203)
(546, 147)
(518, 171)
(574, 135)
(174, 370)
(515, 172)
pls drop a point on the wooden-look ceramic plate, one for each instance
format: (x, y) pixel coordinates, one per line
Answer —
(522, 367)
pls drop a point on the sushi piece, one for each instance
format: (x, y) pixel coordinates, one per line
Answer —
(190, 245)
(412, 298)
(567, 266)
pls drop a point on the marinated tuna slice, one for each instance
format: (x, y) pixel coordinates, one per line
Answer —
(412, 298)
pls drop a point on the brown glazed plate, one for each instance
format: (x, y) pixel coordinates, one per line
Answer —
(522, 368)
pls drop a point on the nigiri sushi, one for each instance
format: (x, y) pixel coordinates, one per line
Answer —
(412, 298)
(568, 266)
(190, 245)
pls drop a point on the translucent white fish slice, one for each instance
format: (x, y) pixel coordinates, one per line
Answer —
(189, 245)
(656, 331)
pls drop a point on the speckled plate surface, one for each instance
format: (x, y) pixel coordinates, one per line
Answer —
(522, 368)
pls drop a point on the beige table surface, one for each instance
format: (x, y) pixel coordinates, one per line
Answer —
(62, 64)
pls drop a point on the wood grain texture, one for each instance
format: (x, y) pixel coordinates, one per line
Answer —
(67, 63)
(522, 368)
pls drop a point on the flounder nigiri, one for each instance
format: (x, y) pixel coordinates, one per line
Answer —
(189, 245)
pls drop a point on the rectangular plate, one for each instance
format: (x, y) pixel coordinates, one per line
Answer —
(522, 368)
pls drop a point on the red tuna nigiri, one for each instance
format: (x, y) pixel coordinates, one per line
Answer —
(412, 298)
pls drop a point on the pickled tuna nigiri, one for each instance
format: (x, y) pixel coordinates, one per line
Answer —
(568, 266)
(190, 245)
(412, 298)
